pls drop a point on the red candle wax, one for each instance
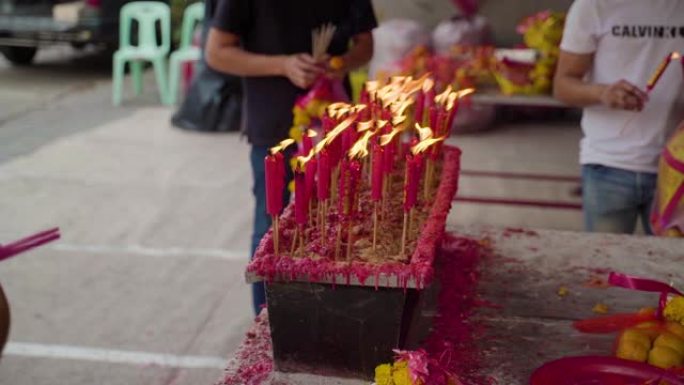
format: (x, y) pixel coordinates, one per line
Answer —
(301, 201)
(364, 98)
(353, 185)
(307, 143)
(439, 128)
(323, 186)
(388, 158)
(433, 112)
(419, 107)
(274, 181)
(342, 186)
(429, 102)
(310, 178)
(328, 123)
(451, 115)
(377, 172)
(413, 163)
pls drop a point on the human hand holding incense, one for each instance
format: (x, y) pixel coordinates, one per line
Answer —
(302, 69)
(623, 95)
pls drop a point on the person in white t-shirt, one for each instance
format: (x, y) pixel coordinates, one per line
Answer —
(610, 49)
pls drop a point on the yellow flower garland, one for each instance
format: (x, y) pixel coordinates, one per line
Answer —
(674, 310)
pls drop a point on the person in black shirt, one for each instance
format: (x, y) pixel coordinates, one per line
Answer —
(267, 42)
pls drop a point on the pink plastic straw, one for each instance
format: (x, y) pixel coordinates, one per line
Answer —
(28, 243)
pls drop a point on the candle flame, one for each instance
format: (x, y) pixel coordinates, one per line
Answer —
(424, 133)
(330, 136)
(399, 108)
(380, 124)
(464, 92)
(424, 145)
(675, 56)
(360, 148)
(334, 107)
(301, 161)
(387, 138)
(365, 126)
(281, 146)
(372, 85)
(398, 80)
(428, 85)
(358, 108)
(413, 86)
(454, 96)
(397, 120)
(442, 97)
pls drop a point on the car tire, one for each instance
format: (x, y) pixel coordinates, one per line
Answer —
(21, 56)
(4, 319)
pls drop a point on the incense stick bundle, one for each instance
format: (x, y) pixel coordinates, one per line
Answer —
(320, 40)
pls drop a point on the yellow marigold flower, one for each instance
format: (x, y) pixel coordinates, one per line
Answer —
(300, 117)
(336, 63)
(600, 308)
(296, 133)
(674, 310)
(383, 374)
(400, 374)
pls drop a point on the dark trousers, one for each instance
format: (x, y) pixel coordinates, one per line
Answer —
(262, 221)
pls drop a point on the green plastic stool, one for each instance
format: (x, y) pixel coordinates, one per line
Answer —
(186, 52)
(147, 14)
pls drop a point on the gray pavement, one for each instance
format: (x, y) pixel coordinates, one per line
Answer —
(146, 285)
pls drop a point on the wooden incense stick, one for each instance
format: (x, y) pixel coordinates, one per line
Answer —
(294, 242)
(338, 241)
(320, 40)
(375, 225)
(349, 242)
(403, 235)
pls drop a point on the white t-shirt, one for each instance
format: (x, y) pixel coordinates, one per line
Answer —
(629, 39)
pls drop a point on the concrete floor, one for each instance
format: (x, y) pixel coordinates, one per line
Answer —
(146, 285)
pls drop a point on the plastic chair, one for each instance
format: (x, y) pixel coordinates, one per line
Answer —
(186, 52)
(148, 15)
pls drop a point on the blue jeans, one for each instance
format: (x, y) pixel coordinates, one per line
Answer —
(262, 221)
(614, 199)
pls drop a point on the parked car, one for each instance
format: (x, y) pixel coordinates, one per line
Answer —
(27, 25)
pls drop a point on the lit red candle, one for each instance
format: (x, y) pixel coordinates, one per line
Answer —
(310, 178)
(377, 172)
(429, 91)
(342, 201)
(412, 181)
(301, 198)
(433, 113)
(323, 181)
(307, 141)
(274, 166)
(419, 107)
(353, 185)
(274, 169)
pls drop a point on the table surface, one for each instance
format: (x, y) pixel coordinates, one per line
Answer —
(531, 323)
(493, 96)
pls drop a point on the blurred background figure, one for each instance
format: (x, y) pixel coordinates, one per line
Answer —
(214, 100)
(603, 64)
(269, 44)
